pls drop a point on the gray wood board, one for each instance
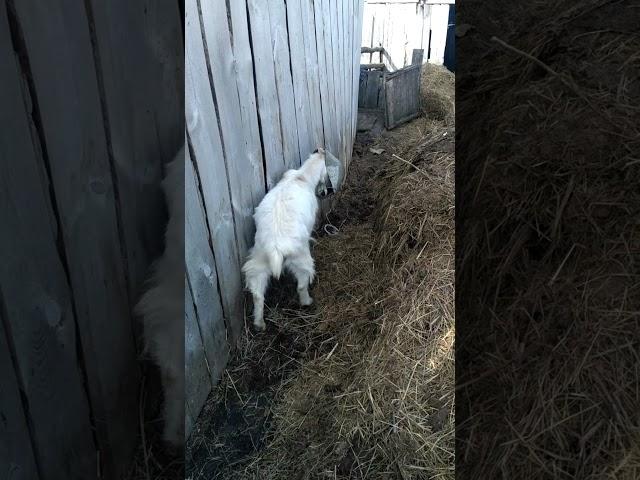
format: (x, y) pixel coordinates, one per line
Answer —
(284, 83)
(204, 136)
(142, 66)
(36, 312)
(313, 73)
(17, 461)
(245, 174)
(323, 66)
(266, 91)
(247, 94)
(402, 92)
(332, 139)
(59, 47)
(297, 51)
(197, 378)
(203, 278)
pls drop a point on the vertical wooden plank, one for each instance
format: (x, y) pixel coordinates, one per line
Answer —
(243, 172)
(417, 56)
(362, 88)
(297, 52)
(313, 73)
(356, 54)
(203, 277)
(323, 67)
(58, 42)
(140, 58)
(331, 52)
(38, 323)
(204, 138)
(340, 76)
(266, 90)
(343, 77)
(197, 378)
(247, 94)
(17, 461)
(284, 83)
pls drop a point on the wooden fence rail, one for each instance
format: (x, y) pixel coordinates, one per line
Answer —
(266, 84)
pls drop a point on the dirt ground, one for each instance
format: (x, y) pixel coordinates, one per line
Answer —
(360, 384)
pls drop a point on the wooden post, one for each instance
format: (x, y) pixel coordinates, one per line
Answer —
(418, 55)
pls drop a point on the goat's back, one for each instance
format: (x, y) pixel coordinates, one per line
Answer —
(286, 215)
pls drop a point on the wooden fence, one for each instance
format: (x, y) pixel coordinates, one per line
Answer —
(91, 107)
(400, 26)
(266, 83)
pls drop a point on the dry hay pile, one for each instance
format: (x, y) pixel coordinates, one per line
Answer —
(437, 89)
(379, 403)
(369, 391)
(548, 356)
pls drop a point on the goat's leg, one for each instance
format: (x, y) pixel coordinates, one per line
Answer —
(173, 386)
(302, 268)
(258, 287)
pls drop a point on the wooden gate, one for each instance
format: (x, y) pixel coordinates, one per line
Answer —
(402, 95)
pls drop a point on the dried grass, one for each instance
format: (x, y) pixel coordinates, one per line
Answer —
(550, 384)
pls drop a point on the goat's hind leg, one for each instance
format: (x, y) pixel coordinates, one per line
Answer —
(257, 284)
(302, 268)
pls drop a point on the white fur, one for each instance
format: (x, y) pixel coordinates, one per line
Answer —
(162, 307)
(284, 222)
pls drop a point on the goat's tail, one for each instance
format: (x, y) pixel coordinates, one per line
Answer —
(275, 262)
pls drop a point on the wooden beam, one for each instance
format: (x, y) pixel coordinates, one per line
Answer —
(371, 49)
(373, 66)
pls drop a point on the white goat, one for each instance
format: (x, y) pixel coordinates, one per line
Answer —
(284, 221)
(162, 307)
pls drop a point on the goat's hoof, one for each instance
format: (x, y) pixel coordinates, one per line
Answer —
(260, 327)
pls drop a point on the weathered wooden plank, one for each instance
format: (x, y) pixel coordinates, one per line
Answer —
(197, 378)
(362, 88)
(332, 142)
(341, 75)
(374, 85)
(313, 73)
(297, 52)
(140, 58)
(201, 267)
(373, 66)
(204, 136)
(17, 461)
(371, 49)
(247, 94)
(243, 172)
(402, 95)
(417, 56)
(58, 43)
(323, 66)
(351, 27)
(284, 83)
(266, 90)
(342, 24)
(356, 57)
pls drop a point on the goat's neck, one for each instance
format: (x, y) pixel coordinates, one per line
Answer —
(312, 169)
